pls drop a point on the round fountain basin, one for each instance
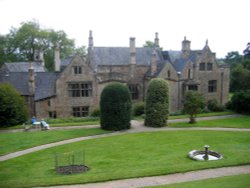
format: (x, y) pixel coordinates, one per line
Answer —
(201, 156)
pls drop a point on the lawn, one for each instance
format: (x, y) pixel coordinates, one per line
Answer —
(128, 155)
(11, 142)
(240, 181)
(235, 122)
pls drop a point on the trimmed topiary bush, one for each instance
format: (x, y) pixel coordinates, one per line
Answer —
(241, 102)
(157, 103)
(115, 107)
(138, 109)
(13, 110)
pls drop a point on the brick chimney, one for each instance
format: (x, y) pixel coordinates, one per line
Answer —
(153, 64)
(156, 40)
(57, 60)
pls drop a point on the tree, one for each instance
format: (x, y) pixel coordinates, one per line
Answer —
(194, 102)
(115, 107)
(157, 103)
(13, 110)
(22, 44)
(241, 102)
(149, 44)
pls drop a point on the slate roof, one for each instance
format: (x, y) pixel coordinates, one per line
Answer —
(24, 67)
(176, 59)
(45, 83)
(121, 56)
(17, 79)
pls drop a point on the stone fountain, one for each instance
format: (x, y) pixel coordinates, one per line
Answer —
(204, 155)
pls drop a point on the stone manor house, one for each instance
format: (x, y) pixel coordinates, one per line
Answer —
(75, 87)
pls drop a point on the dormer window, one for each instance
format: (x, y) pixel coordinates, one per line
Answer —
(77, 70)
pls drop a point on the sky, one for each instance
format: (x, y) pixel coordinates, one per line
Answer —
(224, 23)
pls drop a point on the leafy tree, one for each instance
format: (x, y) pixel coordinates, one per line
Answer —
(13, 109)
(149, 44)
(22, 44)
(157, 103)
(115, 107)
(194, 102)
(241, 102)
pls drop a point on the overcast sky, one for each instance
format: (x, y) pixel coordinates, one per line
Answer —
(225, 23)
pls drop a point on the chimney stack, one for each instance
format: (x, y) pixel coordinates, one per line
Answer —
(31, 80)
(91, 42)
(156, 40)
(57, 58)
(132, 51)
(153, 63)
(185, 45)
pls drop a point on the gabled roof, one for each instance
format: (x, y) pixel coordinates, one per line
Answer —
(24, 67)
(178, 61)
(19, 80)
(44, 83)
(121, 56)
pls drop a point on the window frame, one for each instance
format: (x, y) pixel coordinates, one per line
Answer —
(212, 86)
(80, 89)
(80, 111)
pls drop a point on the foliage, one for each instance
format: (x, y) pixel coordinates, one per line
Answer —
(115, 107)
(240, 78)
(96, 112)
(193, 104)
(24, 44)
(13, 108)
(241, 102)
(129, 156)
(138, 108)
(149, 44)
(240, 70)
(157, 103)
(214, 106)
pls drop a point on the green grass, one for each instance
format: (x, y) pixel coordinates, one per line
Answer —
(235, 122)
(203, 115)
(128, 155)
(239, 181)
(11, 142)
(62, 122)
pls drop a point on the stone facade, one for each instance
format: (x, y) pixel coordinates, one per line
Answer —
(75, 89)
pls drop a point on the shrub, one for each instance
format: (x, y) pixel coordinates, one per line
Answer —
(96, 112)
(214, 106)
(241, 102)
(193, 104)
(138, 109)
(13, 109)
(115, 107)
(157, 103)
